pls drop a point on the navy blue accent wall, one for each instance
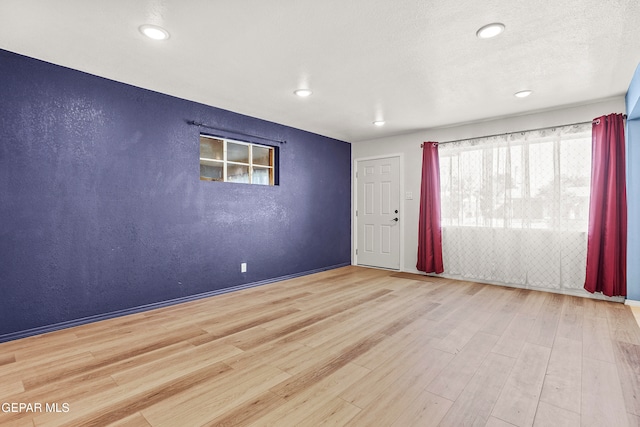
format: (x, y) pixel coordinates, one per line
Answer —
(102, 208)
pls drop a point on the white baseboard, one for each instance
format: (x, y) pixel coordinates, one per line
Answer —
(632, 303)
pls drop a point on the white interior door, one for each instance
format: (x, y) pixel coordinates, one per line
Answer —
(377, 212)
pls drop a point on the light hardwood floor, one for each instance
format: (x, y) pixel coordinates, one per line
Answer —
(352, 346)
(636, 313)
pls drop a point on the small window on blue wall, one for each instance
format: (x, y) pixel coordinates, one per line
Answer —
(235, 161)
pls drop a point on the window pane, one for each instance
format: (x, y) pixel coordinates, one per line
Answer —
(262, 176)
(210, 148)
(238, 173)
(262, 156)
(211, 171)
(237, 152)
(575, 183)
(543, 185)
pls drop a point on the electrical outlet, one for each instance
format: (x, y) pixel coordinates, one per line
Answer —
(243, 267)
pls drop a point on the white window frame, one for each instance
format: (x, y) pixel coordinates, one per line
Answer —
(225, 162)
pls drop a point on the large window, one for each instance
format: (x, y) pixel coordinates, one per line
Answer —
(526, 180)
(515, 208)
(234, 161)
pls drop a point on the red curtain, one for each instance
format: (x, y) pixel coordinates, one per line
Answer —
(607, 244)
(429, 231)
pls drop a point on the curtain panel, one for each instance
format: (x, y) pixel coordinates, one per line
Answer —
(607, 246)
(429, 230)
(515, 207)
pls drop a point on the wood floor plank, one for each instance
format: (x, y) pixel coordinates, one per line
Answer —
(427, 409)
(596, 340)
(269, 354)
(95, 411)
(241, 313)
(7, 358)
(399, 395)
(248, 412)
(342, 340)
(413, 276)
(457, 374)
(173, 366)
(496, 422)
(544, 330)
(105, 359)
(307, 378)
(373, 386)
(397, 346)
(549, 415)
(72, 392)
(453, 301)
(500, 318)
(24, 370)
(9, 388)
(563, 381)
(519, 398)
(594, 309)
(18, 423)
(460, 335)
(512, 340)
(336, 412)
(221, 396)
(474, 405)
(622, 324)
(635, 311)
(362, 319)
(216, 331)
(332, 328)
(135, 420)
(298, 407)
(298, 361)
(272, 335)
(571, 319)
(628, 364)
(28, 347)
(602, 398)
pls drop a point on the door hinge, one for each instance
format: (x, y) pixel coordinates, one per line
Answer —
(356, 174)
(356, 212)
(356, 251)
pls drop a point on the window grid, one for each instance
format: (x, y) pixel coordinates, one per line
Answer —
(250, 164)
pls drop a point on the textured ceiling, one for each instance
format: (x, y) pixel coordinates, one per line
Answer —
(414, 63)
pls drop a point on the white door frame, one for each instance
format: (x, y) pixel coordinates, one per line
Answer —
(354, 204)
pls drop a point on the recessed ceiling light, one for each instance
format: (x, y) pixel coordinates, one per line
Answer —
(522, 93)
(379, 123)
(154, 32)
(490, 30)
(303, 93)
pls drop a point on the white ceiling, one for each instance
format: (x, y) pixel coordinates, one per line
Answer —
(415, 63)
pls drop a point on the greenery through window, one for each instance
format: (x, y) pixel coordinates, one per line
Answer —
(234, 161)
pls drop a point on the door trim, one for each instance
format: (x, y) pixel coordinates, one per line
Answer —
(354, 204)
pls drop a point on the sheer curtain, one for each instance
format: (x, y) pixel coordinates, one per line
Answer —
(515, 207)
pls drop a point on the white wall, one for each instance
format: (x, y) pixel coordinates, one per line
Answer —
(409, 147)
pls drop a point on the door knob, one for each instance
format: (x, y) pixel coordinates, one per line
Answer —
(395, 219)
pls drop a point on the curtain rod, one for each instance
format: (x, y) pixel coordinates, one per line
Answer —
(521, 131)
(202, 125)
